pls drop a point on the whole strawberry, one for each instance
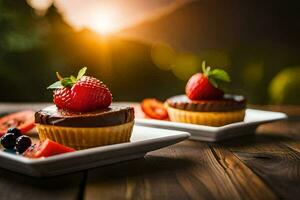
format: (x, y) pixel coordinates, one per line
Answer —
(81, 94)
(205, 86)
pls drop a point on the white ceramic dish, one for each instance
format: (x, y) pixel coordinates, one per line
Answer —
(143, 140)
(252, 120)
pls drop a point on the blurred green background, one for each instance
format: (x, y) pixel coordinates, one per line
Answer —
(257, 42)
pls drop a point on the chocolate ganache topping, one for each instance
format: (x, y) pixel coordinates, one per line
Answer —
(227, 103)
(114, 115)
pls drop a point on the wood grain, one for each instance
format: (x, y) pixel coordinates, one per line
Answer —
(214, 171)
(280, 171)
(16, 186)
(149, 178)
(189, 170)
(271, 158)
(263, 166)
(286, 132)
(248, 184)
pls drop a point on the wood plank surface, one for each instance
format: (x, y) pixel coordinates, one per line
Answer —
(188, 170)
(262, 166)
(15, 186)
(248, 184)
(273, 154)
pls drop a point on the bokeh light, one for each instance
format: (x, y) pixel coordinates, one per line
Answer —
(147, 48)
(285, 86)
(185, 65)
(163, 56)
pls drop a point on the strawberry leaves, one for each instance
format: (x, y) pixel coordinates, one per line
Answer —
(220, 74)
(81, 73)
(55, 85)
(215, 76)
(67, 81)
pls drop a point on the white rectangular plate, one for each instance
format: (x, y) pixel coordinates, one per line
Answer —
(143, 140)
(252, 120)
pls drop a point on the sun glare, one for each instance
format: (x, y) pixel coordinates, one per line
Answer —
(104, 22)
(40, 6)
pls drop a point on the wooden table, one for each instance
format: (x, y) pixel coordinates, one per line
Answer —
(264, 166)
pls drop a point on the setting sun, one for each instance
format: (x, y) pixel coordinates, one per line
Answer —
(103, 22)
(106, 16)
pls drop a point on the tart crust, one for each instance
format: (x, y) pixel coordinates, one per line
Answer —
(85, 130)
(227, 103)
(86, 137)
(205, 118)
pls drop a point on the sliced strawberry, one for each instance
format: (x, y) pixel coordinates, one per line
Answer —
(154, 108)
(45, 149)
(23, 120)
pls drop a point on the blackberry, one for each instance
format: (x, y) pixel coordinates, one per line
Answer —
(8, 140)
(14, 130)
(23, 143)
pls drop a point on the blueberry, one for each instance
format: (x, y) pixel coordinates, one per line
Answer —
(23, 143)
(8, 140)
(16, 131)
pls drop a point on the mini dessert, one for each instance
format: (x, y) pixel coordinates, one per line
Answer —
(229, 109)
(83, 116)
(85, 129)
(205, 103)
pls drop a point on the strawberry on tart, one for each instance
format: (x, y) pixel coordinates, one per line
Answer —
(83, 116)
(205, 103)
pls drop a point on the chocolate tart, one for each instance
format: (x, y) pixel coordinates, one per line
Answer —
(229, 109)
(114, 115)
(84, 130)
(227, 103)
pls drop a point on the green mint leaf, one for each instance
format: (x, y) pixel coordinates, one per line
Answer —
(219, 74)
(81, 73)
(55, 85)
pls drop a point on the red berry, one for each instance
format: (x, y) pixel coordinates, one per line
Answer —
(90, 94)
(62, 97)
(200, 88)
(86, 94)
